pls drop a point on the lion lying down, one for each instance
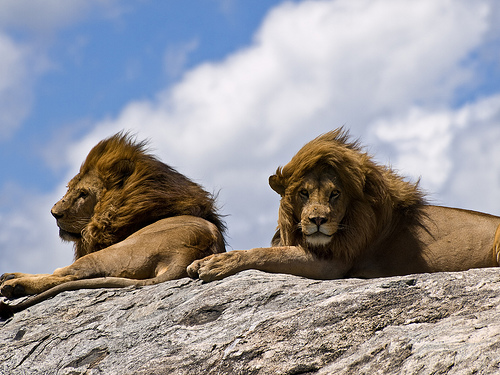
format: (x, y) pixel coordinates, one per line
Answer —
(342, 215)
(133, 220)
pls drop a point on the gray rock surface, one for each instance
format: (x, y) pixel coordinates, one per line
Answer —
(258, 323)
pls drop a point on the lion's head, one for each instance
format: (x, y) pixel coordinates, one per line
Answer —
(120, 189)
(75, 210)
(335, 200)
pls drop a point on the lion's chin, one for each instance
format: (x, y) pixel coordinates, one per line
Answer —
(67, 236)
(318, 239)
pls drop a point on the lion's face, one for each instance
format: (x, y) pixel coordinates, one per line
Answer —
(318, 204)
(74, 211)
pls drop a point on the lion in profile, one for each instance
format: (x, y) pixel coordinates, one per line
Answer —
(133, 220)
(342, 215)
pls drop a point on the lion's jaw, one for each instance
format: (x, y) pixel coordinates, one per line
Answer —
(322, 208)
(74, 211)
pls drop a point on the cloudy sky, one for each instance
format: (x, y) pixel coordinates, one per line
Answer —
(228, 90)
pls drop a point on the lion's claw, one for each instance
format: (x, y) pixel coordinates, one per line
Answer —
(193, 269)
(7, 276)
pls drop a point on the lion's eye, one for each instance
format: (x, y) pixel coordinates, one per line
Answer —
(304, 193)
(83, 194)
(335, 194)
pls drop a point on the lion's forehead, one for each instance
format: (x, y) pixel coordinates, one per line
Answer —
(74, 181)
(89, 181)
(321, 185)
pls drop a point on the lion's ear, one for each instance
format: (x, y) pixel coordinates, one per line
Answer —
(277, 185)
(120, 171)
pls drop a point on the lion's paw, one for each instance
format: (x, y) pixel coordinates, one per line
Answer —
(10, 285)
(215, 267)
(11, 288)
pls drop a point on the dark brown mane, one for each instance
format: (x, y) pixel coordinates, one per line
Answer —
(379, 198)
(139, 190)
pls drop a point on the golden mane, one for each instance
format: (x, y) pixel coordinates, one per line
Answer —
(138, 190)
(379, 198)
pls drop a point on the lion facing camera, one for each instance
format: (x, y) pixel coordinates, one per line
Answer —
(134, 221)
(343, 215)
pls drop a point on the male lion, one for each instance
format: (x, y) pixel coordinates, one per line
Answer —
(133, 221)
(342, 215)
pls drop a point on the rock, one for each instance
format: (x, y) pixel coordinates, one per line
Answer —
(258, 323)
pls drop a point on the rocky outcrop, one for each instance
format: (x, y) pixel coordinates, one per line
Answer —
(258, 323)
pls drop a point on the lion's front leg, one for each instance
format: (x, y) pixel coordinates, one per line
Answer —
(292, 260)
(30, 284)
(18, 285)
(119, 260)
(12, 284)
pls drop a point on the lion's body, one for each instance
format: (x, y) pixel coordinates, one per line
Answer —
(131, 217)
(450, 240)
(342, 215)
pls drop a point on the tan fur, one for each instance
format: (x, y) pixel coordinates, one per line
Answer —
(130, 217)
(343, 215)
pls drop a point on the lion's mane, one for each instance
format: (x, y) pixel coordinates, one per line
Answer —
(139, 190)
(379, 198)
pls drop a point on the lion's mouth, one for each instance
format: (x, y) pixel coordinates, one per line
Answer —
(324, 229)
(318, 238)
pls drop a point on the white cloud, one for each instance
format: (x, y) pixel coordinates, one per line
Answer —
(422, 143)
(28, 236)
(386, 68)
(455, 152)
(475, 180)
(15, 90)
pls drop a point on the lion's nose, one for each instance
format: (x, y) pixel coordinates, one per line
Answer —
(56, 214)
(318, 220)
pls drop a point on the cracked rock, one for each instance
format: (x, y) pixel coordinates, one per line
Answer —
(259, 323)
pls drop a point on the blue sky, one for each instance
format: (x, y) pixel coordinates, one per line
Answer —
(228, 90)
(102, 61)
